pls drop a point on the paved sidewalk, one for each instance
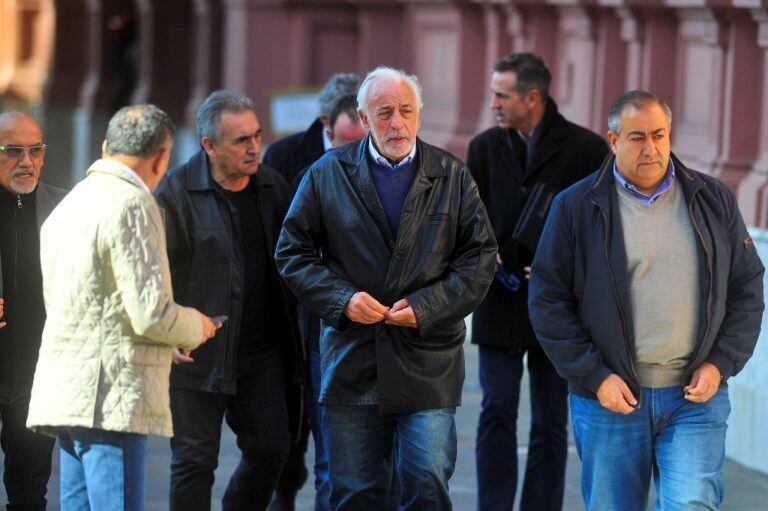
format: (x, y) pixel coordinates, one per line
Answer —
(746, 490)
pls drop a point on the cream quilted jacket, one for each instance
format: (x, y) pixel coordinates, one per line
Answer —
(111, 320)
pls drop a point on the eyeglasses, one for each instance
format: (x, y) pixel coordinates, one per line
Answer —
(14, 152)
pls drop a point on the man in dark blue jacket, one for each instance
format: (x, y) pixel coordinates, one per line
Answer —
(646, 292)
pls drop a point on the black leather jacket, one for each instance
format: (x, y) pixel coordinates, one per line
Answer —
(336, 242)
(207, 266)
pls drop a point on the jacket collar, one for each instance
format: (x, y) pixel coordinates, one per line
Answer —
(355, 155)
(118, 170)
(200, 179)
(603, 183)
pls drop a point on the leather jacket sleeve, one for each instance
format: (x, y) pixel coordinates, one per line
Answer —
(298, 259)
(470, 272)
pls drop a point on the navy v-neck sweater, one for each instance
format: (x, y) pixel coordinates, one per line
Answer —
(392, 185)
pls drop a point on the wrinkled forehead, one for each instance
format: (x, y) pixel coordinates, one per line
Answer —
(19, 129)
(391, 92)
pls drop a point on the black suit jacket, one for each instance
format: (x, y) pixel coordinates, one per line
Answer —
(563, 153)
(296, 152)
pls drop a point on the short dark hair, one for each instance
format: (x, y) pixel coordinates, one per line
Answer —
(345, 105)
(637, 99)
(338, 85)
(531, 72)
(208, 119)
(138, 130)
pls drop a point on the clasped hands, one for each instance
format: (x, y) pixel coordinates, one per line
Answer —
(365, 309)
(614, 394)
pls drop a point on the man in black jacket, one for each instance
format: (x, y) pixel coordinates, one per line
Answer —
(647, 294)
(532, 146)
(296, 152)
(24, 204)
(223, 213)
(388, 242)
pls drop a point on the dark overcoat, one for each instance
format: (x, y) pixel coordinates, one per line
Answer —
(563, 153)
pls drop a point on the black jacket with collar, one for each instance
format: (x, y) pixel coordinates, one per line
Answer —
(292, 154)
(336, 242)
(21, 281)
(579, 290)
(563, 154)
(207, 267)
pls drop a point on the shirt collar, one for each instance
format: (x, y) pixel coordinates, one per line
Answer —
(632, 189)
(132, 172)
(378, 158)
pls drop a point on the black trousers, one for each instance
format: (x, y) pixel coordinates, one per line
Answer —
(257, 414)
(496, 449)
(27, 454)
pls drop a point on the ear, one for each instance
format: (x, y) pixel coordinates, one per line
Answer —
(613, 140)
(208, 147)
(104, 147)
(160, 162)
(533, 97)
(364, 120)
(329, 133)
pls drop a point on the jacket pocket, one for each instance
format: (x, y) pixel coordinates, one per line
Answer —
(438, 235)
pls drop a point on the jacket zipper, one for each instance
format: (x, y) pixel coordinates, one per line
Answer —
(630, 355)
(709, 274)
(19, 205)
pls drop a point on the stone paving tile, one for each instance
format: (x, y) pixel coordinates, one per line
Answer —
(746, 490)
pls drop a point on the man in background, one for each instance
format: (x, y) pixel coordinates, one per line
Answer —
(296, 152)
(532, 147)
(25, 203)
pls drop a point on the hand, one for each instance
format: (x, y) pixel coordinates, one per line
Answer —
(401, 314)
(181, 356)
(363, 308)
(704, 383)
(2, 311)
(527, 270)
(209, 327)
(614, 395)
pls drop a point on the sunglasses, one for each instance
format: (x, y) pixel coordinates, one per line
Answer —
(14, 152)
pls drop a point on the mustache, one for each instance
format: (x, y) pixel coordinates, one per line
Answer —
(22, 172)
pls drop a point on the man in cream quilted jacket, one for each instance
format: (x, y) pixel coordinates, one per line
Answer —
(101, 382)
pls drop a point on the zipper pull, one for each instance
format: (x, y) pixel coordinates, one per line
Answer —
(18, 201)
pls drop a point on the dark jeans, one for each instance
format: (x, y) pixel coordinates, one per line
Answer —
(322, 485)
(496, 449)
(368, 453)
(27, 454)
(258, 416)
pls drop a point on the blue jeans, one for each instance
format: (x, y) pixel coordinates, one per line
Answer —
(364, 448)
(681, 444)
(102, 470)
(322, 485)
(496, 448)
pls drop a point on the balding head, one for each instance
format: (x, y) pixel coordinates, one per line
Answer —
(22, 153)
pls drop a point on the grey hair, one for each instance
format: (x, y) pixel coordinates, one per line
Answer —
(138, 130)
(387, 74)
(208, 119)
(338, 85)
(637, 99)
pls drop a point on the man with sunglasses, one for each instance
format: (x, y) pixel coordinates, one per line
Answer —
(24, 204)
